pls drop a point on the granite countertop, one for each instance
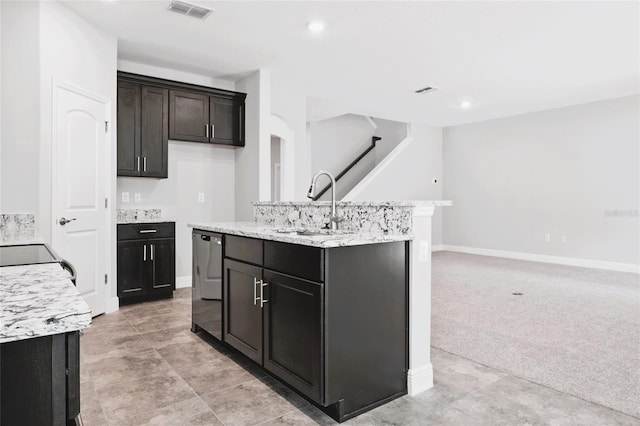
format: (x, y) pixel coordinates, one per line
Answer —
(39, 300)
(143, 220)
(255, 230)
(409, 203)
(29, 236)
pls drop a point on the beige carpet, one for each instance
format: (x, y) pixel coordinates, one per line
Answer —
(573, 329)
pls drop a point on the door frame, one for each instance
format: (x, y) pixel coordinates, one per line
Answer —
(108, 216)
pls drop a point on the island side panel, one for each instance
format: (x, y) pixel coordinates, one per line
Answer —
(366, 328)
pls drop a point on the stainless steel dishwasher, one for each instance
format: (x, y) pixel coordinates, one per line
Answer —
(206, 308)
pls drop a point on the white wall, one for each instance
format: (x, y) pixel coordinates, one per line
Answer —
(338, 141)
(289, 102)
(192, 168)
(252, 174)
(515, 179)
(75, 52)
(20, 106)
(409, 175)
(392, 133)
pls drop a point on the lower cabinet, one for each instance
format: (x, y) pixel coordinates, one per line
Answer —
(331, 323)
(146, 266)
(276, 320)
(40, 380)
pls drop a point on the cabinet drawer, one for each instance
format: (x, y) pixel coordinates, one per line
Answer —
(137, 231)
(243, 248)
(293, 259)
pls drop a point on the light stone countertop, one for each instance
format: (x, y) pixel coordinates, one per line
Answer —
(255, 230)
(143, 220)
(39, 300)
(409, 203)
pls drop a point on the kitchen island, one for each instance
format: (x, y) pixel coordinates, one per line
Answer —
(327, 312)
(40, 317)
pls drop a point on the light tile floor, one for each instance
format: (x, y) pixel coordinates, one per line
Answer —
(143, 366)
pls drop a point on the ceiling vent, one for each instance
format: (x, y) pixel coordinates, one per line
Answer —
(189, 9)
(426, 89)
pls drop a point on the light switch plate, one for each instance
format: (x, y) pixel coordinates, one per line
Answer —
(137, 197)
(125, 197)
(201, 197)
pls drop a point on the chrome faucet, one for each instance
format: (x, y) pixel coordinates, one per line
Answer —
(334, 219)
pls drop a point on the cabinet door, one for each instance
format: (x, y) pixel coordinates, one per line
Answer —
(154, 132)
(243, 315)
(128, 132)
(163, 260)
(188, 116)
(293, 332)
(224, 122)
(133, 267)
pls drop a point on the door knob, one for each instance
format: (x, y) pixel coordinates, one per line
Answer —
(63, 221)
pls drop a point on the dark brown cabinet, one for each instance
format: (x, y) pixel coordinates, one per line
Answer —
(40, 380)
(331, 323)
(243, 322)
(146, 261)
(198, 117)
(142, 130)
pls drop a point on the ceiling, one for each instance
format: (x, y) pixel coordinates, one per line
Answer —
(507, 58)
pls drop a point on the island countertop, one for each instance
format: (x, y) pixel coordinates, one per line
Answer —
(39, 300)
(286, 235)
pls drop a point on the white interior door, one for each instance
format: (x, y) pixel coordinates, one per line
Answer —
(80, 156)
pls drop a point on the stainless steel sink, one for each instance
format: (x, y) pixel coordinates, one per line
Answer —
(314, 232)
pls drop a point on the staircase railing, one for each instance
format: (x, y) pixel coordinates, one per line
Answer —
(370, 148)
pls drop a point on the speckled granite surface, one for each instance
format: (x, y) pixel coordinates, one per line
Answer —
(17, 228)
(39, 300)
(140, 216)
(283, 234)
(389, 217)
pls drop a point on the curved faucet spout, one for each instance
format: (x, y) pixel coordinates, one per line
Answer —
(334, 219)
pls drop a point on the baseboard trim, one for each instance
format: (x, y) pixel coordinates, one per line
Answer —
(183, 282)
(419, 379)
(570, 261)
(439, 247)
(113, 304)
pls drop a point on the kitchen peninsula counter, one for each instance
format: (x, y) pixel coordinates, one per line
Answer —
(39, 300)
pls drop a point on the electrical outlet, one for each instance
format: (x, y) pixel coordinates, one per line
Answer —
(564, 239)
(137, 197)
(423, 251)
(125, 197)
(547, 237)
(201, 197)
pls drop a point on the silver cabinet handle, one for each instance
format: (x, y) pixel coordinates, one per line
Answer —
(152, 251)
(138, 167)
(144, 254)
(131, 290)
(148, 231)
(63, 221)
(206, 130)
(255, 292)
(213, 131)
(262, 300)
(144, 164)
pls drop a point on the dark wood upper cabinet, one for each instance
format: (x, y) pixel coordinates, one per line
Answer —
(196, 117)
(128, 128)
(189, 116)
(154, 147)
(143, 113)
(153, 110)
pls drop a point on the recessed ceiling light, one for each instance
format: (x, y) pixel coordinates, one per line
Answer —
(465, 104)
(316, 26)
